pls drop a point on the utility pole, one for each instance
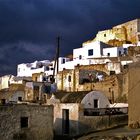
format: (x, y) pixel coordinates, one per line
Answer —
(58, 51)
(56, 58)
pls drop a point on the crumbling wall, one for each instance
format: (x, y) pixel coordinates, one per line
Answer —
(123, 33)
(74, 109)
(134, 95)
(39, 124)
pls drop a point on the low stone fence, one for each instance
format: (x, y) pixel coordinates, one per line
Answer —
(93, 123)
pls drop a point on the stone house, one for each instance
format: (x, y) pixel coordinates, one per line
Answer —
(26, 122)
(71, 117)
(119, 34)
(13, 94)
(94, 77)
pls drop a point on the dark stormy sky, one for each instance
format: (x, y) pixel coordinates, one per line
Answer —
(28, 28)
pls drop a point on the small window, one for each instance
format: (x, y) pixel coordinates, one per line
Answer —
(90, 52)
(120, 53)
(80, 56)
(18, 69)
(24, 122)
(47, 68)
(108, 54)
(125, 51)
(3, 101)
(69, 78)
(63, 61)
(104, 35)
(19, 98)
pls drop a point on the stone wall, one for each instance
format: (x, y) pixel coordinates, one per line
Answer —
(115, 87)
(63, 83)
(93, 123)
(134, 95)
(126, 32)
(131, 28)
(26, 122)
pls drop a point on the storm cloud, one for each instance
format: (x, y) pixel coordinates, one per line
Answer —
(29, 28)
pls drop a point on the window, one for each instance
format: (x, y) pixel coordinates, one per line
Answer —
(90, 52)
(69, 78)
(19, 98)
(18, 69)
(108, 54)
(80, 56)
(47, 68)
(63, 61)
(125, 51)
(36, 89)
(24, 122)
(104, 35)
(3, 101)
(120, 53)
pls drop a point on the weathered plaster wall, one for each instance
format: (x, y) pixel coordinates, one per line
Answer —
(88, 100)
(17, 94)
(134, 95)
(74, 111)
(40, 122)
(66, 80)
(80, 124)
(110, 87)
(4, 81)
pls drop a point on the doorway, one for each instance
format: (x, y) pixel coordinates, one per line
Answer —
(65, 121)
(95, 103)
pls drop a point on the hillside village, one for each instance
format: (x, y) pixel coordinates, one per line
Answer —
(72, 96)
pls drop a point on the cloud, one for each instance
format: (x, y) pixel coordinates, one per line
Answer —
(28, 28)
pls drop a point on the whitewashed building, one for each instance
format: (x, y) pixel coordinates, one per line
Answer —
(90, 53)
(27, 69)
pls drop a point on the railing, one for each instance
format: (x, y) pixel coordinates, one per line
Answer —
(105, 111)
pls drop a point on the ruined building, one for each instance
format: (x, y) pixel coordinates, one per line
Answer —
(95, 77)
(128, 32)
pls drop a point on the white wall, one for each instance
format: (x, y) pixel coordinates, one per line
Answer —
(88, 100)
(95, 46)
(5, 81)
(17, 94)
(27, 69)
(114, 51)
